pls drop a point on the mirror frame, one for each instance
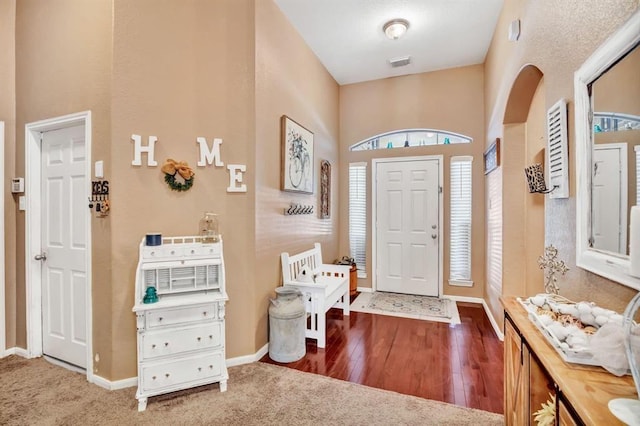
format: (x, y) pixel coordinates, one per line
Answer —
(607, 264)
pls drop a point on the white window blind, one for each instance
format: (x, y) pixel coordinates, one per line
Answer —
(358, 215)
(460, 241)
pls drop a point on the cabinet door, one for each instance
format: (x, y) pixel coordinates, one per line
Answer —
(516, 377)
(541, 388)
(565, 416)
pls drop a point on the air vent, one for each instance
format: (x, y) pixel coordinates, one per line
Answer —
(557, 150)
(400, 62)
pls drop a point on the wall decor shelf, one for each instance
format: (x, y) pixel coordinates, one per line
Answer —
(180, 307)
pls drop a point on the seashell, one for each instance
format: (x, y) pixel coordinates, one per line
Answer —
(546, 320)
(590, 329)
(598, 311)
(559, 331)
(542, 311)
(538, 300)
(564, 345)
(616, 318)
(588, 318)
(584, 308)
(565, 308)
(569, 320)
(602, 319)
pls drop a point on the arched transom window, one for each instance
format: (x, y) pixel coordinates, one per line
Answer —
(408, 138)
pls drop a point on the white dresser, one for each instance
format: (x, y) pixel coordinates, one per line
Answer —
(181, 337)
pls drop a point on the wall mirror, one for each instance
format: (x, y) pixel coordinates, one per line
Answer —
(607, 100)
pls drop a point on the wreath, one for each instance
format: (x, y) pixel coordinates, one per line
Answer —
(178, 175)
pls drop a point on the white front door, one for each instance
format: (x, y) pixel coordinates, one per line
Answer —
(63, 242)
(407, 226)
(609, 230)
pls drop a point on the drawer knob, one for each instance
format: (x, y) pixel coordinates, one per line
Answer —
(153, 253)
(154, 377)
(173, 252)
(166, 344)
(199, 368)
(167, 375)
(210, 336)
(204, 313)
(159, 319)
(199, 338)
(211, 367)
(153, 346)
(193, 251)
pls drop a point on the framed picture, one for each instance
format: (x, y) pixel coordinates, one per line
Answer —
(325, 189)
(492, 157)
(297, 157)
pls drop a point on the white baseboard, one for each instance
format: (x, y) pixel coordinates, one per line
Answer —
(115, 385)
(364, 289)
(480, 301)
(248, 359)
(16, 351)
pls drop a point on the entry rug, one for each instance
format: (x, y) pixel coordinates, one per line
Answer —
(407, 306)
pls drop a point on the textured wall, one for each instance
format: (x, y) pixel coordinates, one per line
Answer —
(8, 115)
(181, 71)
(446, 100)
(557, 36)
(63, 65)
(289, 81)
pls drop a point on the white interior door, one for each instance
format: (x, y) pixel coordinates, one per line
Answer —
(609, 198)
(407, 226)
(63, 242)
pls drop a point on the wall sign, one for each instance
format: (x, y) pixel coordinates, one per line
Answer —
(208, 156)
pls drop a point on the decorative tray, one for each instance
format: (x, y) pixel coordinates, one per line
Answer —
(567, 325)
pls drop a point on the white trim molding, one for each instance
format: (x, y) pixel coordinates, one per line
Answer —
(3, 314)
(33, 151)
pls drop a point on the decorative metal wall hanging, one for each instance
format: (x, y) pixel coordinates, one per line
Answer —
(325, 189)
(100, 197)
(295, 209)
(535, 179)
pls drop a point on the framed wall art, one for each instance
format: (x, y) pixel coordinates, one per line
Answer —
(325, 189)
(297, 157)
(492, 157)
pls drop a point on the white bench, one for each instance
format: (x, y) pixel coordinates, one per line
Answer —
(326, 287)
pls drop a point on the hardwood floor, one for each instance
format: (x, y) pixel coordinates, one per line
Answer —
(460, 364)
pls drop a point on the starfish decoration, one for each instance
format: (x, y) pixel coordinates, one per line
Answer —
(551, 265)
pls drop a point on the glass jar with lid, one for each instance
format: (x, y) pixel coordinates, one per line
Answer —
(209, 228)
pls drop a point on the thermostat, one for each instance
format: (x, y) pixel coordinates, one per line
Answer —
(17, 185)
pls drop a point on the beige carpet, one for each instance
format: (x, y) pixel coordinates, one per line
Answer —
(35, 392)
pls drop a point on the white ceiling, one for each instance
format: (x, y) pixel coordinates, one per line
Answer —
(347, 37)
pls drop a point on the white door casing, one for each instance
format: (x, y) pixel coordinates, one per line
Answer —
(80, 229)
(64, 278)
(609, 216)
(407, 218)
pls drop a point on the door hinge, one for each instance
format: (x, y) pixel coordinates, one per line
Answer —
(440, 189)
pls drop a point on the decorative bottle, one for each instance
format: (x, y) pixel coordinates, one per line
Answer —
(209, 228)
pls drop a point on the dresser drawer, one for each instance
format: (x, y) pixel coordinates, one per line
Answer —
(186, 370)
(164, 317)
(169, 342)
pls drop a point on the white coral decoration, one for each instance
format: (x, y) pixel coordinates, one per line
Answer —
(551, 265)
(546, 416)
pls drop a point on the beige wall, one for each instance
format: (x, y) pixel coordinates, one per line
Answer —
(289, 81)
(450, 100)
(8, 115)
(63, 62)
(556, 37)
(180, 72)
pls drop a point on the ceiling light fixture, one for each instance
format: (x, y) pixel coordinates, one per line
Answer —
(395, 28)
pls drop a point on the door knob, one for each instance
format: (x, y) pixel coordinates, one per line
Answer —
(42, 256)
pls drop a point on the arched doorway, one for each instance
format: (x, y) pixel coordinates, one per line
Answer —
(524, 142)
